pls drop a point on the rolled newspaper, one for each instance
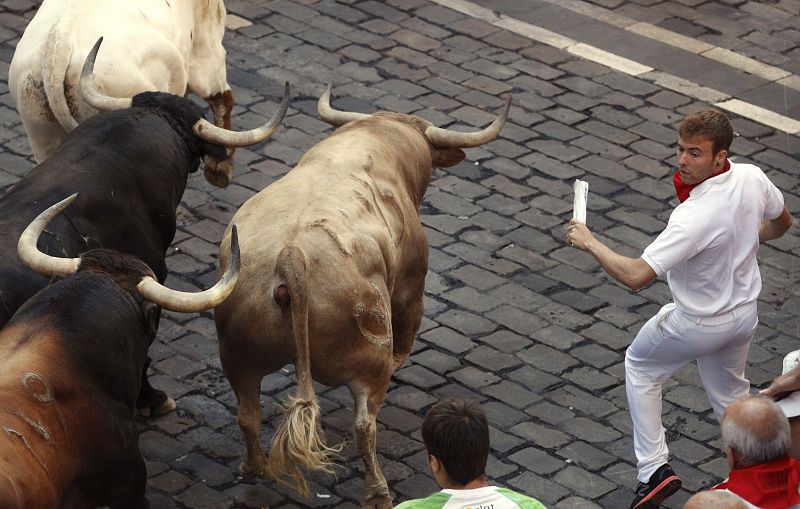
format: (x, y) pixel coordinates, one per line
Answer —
(581, 188)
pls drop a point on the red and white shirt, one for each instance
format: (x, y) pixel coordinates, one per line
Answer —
(708, 249)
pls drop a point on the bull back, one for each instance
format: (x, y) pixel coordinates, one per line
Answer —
(131, 168)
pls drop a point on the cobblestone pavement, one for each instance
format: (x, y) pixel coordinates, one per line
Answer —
(514, 318)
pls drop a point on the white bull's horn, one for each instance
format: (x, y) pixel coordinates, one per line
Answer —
(220, 136)
(31, 256)
(332, 116)
(89, 91)
(186, 302)
(446, 138)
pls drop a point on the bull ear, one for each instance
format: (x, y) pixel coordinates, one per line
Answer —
(447, 157)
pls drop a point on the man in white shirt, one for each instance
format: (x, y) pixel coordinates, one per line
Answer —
(707, 253)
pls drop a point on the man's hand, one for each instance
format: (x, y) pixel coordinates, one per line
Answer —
(578, 235)
(632, 272)
(783, 385)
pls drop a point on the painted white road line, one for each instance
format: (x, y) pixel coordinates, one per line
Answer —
(740, 62)
(607, 59)
(746, 64)
(538, 34)
(642, 71)
(761, 115)
(471, 9)
(234, 22)
(685, 87)
(669, 37)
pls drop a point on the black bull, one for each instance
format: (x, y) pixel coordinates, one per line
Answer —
(130, 167)
(73, 356)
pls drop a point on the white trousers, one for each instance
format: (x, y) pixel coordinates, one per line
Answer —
(667, 342)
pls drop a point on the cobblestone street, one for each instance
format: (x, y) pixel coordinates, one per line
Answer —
(514, 317)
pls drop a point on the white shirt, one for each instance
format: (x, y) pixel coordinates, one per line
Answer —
(708, 249)
(488, 497)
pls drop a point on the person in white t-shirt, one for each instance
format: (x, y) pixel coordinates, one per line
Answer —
(456, 437)
(707, 253)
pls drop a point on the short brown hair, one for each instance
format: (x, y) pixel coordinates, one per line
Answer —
(710, 125)
(457, 433)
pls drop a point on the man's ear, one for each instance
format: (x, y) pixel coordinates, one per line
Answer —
(720, 158)
(732, 457)
(434, 463)
(447, 157)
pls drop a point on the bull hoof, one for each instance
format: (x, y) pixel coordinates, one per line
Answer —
(218, 173)
(163, 407)
(259, 469)
(378, 502)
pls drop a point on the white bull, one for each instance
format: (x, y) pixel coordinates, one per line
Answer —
(170, 46)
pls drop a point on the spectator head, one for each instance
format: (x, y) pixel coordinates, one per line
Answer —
(709, 125)
(456, 437)
(755, 431)
(715, 499)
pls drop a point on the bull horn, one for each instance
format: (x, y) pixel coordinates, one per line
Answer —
(332, 116)
(89, 91)
(220, 136)
(31, 256)
(187, 302)
(445, 138)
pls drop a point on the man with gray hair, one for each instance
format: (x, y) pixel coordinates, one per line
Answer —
(757, 437)
(715, 499)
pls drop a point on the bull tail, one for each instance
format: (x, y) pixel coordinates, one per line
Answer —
(298, 444)
(55, 62)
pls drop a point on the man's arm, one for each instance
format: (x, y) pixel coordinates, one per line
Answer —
(775, 228)
(634, 273)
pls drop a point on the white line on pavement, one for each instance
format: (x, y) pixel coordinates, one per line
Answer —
(630, 67)
(761, 115)
(680, 41)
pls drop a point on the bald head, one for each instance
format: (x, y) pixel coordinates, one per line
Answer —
(756, 429)
(715, 499)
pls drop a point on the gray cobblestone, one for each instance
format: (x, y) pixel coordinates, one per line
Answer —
(536, 461)
(512, 314)
(546, 491)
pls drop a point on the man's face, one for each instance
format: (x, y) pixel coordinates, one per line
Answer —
(696, 160)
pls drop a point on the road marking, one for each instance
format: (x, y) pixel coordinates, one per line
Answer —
(607, 59)
(669, 37)
(642, 71)
(538, 34)
(234, 22)
(746, 64)
(676, 40)
(761, 115)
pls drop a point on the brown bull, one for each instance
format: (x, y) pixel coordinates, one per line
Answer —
(334, 260)
(72, 362)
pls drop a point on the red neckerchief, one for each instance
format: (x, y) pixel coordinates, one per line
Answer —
(770, 485)
(682, 190)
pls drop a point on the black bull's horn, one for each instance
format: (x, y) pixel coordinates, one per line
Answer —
(202, 128)
(149, 288)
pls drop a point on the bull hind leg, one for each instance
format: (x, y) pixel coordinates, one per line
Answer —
(404, 331)
(368, 401)
(126, 486)
(248, 389)
(152, 402)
